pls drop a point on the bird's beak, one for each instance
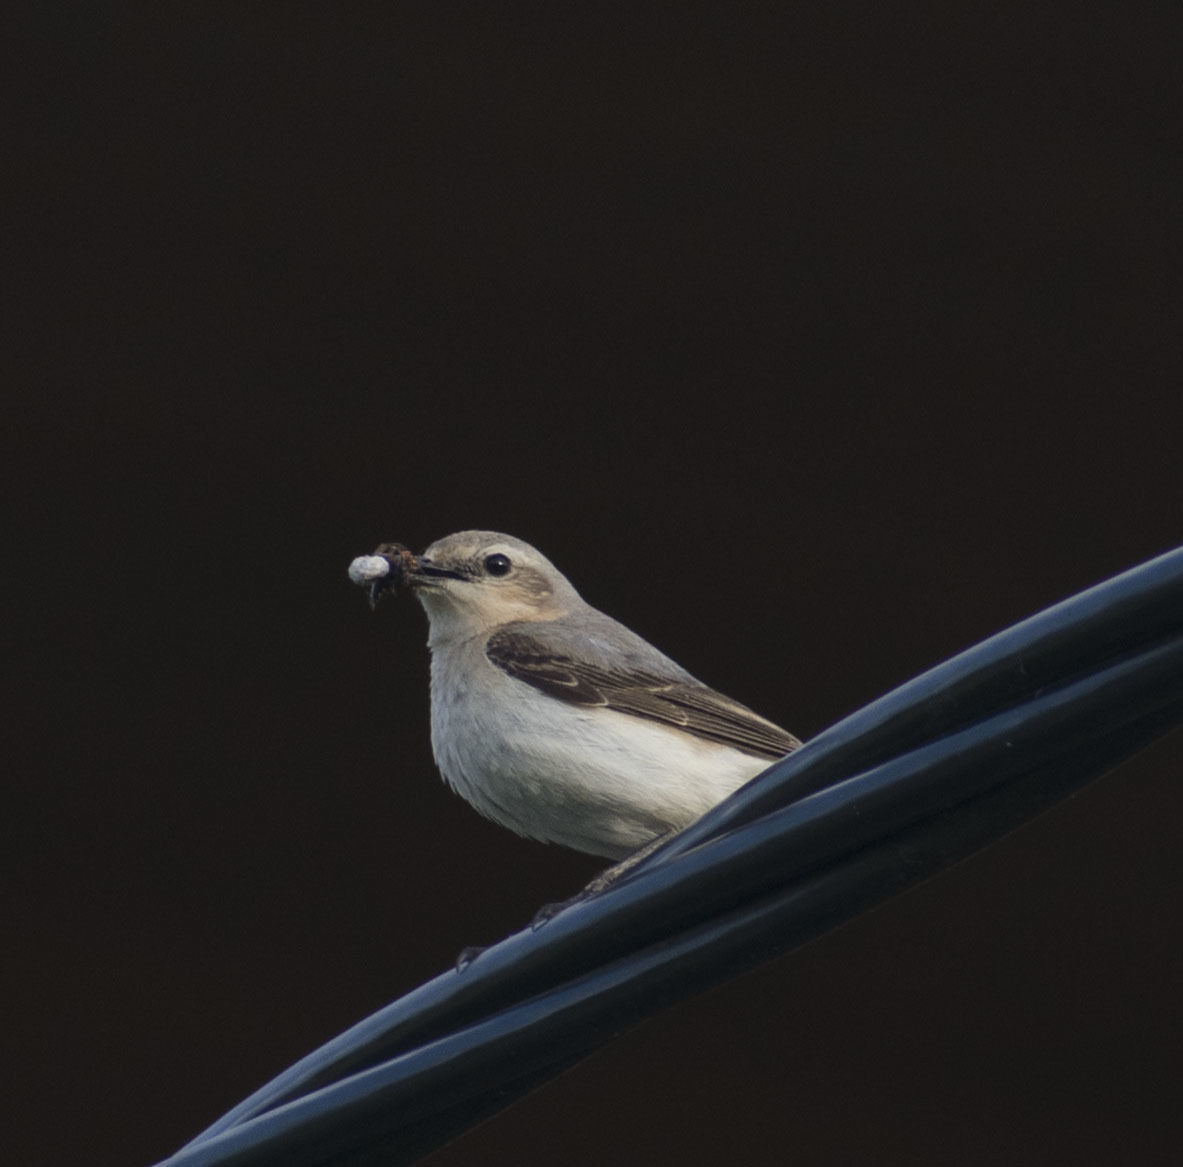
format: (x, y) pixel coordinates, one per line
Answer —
(425, 572)
(393, 568)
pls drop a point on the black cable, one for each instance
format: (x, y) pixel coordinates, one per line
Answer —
(948, 763)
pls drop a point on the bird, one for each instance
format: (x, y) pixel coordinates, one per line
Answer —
(555, 720)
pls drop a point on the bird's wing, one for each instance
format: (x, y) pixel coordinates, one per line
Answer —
(683, 704)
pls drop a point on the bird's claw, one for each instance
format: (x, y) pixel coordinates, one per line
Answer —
(468, 955)
(547, 912)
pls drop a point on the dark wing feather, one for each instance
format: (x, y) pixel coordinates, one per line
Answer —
(685, 705)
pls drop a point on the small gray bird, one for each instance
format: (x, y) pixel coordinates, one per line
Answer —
(556, 720)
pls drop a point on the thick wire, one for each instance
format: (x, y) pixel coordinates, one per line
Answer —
(889, 796)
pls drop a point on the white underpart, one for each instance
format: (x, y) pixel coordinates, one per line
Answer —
(367, 568)
(584, 777)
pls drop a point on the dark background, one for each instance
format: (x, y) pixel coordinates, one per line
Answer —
(814, 342)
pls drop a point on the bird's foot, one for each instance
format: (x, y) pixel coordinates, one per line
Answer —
(547, 912)
(468, 955)
(601, 883)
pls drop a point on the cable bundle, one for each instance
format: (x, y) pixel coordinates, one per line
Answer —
(891, 795)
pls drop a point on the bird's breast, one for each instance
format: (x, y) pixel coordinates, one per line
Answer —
(585, 777)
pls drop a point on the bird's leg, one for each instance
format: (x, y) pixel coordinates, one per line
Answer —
(603, 881)
(610, 875)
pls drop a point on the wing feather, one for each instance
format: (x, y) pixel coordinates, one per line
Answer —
(686, 704)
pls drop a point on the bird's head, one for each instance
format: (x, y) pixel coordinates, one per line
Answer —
(472, 581)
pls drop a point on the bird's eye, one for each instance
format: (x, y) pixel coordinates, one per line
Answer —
(497, 564)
